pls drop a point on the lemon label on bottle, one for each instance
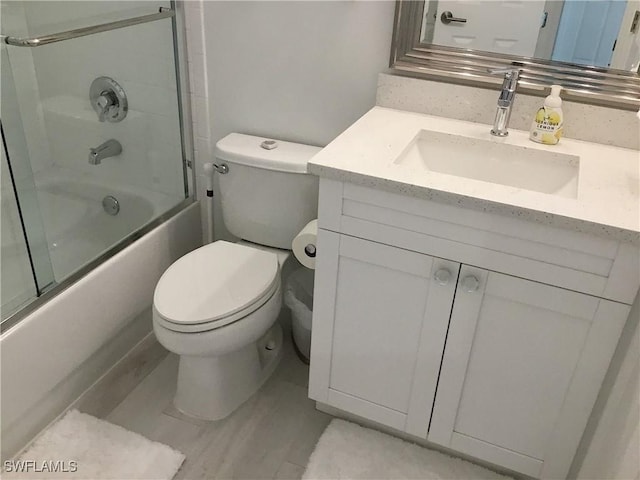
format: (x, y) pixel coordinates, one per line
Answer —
(548, 128)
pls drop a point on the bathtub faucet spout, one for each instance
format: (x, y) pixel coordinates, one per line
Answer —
(110, 148)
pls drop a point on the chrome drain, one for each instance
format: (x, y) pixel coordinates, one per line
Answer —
(111, 205)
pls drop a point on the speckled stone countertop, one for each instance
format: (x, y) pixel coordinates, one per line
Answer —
(608, 196)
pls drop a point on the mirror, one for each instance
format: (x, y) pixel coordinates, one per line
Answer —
(600, 33)
(590, 47)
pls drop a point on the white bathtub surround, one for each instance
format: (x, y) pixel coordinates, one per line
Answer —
(150, 139)
(347, 451)
(607, 202)
(64, 126)
(592, 123)
(99, 450)
(48, 358)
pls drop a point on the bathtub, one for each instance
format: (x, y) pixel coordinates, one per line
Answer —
(77, 226)
(51, 356)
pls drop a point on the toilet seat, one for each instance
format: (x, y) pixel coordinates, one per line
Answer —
(214, 286)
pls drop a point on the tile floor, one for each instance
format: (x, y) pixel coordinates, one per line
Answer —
(271, 436)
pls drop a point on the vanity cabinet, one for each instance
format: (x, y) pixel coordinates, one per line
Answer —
(485, 334)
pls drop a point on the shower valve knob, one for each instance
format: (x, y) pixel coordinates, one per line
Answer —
(105, 103)
(108, 99)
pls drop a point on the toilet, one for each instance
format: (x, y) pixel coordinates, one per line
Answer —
(216, 307)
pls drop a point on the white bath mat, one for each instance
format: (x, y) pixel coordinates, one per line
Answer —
(348, 451)
(95, 449)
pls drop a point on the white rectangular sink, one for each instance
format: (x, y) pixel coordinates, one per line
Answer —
(491, 161)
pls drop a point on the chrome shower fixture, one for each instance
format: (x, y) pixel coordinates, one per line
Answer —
(108, 99)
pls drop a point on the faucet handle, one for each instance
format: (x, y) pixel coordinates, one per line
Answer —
(104, 104)
(504, 71)
(510, 80)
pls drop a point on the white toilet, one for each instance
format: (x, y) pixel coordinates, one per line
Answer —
(217, 306)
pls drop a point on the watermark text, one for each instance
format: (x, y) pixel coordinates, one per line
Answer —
(41, 466)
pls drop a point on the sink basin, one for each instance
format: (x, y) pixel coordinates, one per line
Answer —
(490, 161)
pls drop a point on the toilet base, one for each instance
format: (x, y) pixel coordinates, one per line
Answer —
(211, 388)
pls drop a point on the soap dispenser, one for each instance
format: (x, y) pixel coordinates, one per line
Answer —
(547, 124)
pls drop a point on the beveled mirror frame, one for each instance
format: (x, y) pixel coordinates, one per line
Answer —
(595, 85)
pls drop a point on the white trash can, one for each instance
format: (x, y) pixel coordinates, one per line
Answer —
(298, 297)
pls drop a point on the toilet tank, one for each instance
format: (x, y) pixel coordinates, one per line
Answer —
(267, 196)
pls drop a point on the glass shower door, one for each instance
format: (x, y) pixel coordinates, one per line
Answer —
(25, 267)
(93, 122)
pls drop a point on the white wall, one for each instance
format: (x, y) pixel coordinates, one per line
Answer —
(299, 71)
(302, 71)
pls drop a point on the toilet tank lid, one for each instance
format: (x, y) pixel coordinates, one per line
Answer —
(247, 150)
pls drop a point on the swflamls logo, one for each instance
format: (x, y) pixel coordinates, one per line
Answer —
(24, 466)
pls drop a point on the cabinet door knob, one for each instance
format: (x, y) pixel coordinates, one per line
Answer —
(470, 283)
(442, 276)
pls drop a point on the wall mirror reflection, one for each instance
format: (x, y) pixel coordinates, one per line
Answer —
(600, 33)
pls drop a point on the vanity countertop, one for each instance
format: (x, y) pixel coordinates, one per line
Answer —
(608, 197)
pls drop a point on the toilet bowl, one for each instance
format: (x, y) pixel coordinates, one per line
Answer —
(217, 306)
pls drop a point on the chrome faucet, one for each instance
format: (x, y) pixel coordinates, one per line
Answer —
(505, 100)
(110, 148)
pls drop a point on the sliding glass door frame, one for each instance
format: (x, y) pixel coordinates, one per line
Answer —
(181, 71)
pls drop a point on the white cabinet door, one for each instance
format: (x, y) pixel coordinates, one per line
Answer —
(521, 370)
(379, 327)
